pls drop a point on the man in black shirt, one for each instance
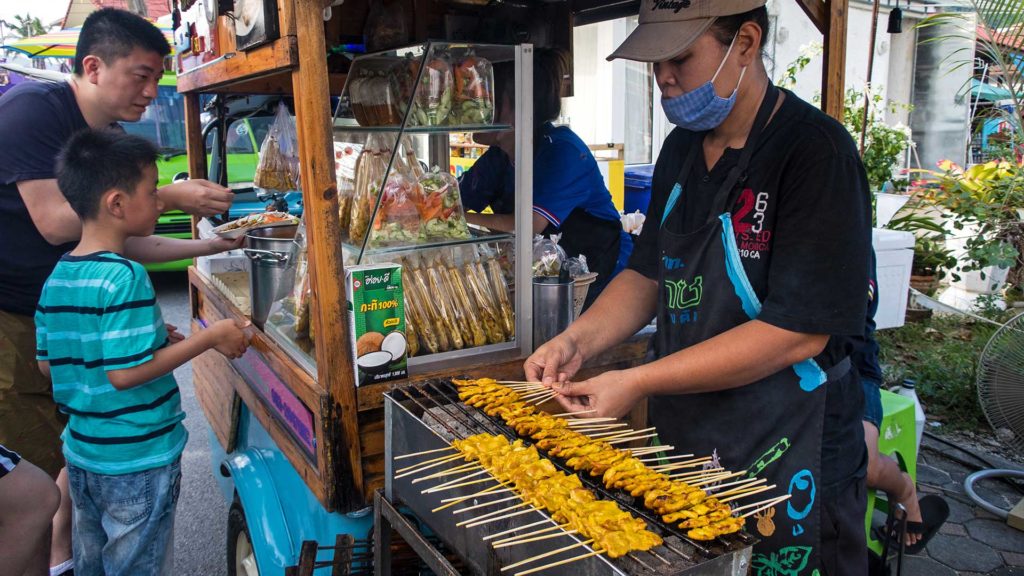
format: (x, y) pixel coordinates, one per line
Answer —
(753, 259)
(117, 67)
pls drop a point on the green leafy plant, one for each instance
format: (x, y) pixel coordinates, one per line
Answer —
(884, 145)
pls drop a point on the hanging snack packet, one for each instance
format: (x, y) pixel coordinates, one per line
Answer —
(346, 157)
(441, 207)
(548, 256)
(474, 94)
(398, 220)
(403, 77)
(278, 167)
(370, 168)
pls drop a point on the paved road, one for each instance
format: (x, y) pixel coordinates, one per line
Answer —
(201, 524)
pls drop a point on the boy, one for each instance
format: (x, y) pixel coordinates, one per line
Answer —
(101, 339)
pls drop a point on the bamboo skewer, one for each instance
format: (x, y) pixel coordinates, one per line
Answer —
(559, 563)
(528, 534)
(546, 554)
(658, 556)
(607, 435)
(519, 513)
(410, 470)
(456, 470)
(632, 438)
(761, 505)
(703, 481)
(444, 485)
(683, 464)
(517, 529)
(750, 492)
(698, 473)
(535, 539)
(539, 399)
(595, 427)
(650, 450)
(573, 414)
(676, 457)
(415, 454)
(754, 483)
(436, 489)
(485, 504)
(492, 514)
(493, 490)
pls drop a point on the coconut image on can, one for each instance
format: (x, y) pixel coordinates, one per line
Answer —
(376, 310)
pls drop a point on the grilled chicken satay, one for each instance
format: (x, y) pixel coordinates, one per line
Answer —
(729, 525)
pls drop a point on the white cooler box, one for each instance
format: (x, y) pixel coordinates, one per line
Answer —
(894, 255)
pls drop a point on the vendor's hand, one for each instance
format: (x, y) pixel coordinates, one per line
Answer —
(556, 361)
(218, 244)
(198, 197)
(611, 394)
(173, 336)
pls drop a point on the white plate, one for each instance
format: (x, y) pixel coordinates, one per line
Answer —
(233, 233)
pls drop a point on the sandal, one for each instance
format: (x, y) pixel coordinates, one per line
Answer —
(934, 511)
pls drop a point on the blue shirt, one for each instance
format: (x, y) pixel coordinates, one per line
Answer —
(565, 177)
(97, 313)
(36, 119)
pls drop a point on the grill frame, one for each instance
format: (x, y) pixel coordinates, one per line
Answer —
(427, 415)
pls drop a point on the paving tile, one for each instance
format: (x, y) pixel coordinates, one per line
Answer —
(1014, 559)
(932, 475)
(963, 554)
(996, 534)
(923, 566)
(958, 511)
(953, 529)
(1008, 571)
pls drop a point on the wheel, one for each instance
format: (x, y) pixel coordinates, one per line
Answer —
(240, 554)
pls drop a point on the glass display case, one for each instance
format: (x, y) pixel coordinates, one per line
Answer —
(398, 202)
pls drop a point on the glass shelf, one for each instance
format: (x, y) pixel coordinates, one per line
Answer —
(477, 236)
(478, 128)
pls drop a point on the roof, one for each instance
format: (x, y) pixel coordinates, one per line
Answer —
(1009, 37)
(79, 10)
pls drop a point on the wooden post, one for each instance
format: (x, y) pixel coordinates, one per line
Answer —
(320, 196)
(834, 70)
(871, 69)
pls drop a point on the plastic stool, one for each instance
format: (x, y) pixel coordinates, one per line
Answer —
(897, 439)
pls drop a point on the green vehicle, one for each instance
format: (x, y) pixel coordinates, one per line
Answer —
(164, 125)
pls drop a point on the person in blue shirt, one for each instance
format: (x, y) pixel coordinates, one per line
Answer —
(569, 195)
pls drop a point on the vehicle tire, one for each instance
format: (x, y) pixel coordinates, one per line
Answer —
(241, 556)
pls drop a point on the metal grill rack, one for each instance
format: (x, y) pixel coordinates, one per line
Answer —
(429, 415)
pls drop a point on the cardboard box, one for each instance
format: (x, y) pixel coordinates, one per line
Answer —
(376, 314)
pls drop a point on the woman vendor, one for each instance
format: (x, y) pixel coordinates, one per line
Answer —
(569, 195)
(753, 261)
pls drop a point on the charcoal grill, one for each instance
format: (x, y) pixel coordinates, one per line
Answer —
(428, 416)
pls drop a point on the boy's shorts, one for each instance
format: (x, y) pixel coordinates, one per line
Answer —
(29, 420)
(872, 402)
(123, 525)
(8, 460)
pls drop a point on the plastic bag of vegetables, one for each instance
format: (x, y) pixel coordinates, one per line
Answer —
(398, 220)
(440, 207)
(434, 94)
(474, 94)
(278, 167)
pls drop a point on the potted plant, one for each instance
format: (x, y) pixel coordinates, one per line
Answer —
(932, 261)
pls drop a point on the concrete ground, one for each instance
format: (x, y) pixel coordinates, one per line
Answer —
(200, 529)
(973, 541)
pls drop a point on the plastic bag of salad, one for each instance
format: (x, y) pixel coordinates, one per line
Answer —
(474, 94)
(434, 94)
(440, 207)
(278, 167)
(398, 220)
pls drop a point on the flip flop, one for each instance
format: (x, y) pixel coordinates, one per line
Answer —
(934, 511)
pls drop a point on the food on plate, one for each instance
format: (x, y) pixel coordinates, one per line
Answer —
(257, 220)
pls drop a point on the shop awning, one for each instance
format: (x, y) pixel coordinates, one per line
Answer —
(985, 91)
(62, 43)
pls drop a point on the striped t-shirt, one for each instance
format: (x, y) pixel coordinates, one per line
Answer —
(97, 313)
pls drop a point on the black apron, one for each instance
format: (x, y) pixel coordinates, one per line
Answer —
(772, 428)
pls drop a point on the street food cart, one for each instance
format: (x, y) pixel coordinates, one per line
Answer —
(300, 445)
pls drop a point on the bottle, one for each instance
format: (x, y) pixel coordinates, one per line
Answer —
(907, 390)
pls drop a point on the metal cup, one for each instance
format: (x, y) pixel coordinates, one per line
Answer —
(552, 308)
(271, 255)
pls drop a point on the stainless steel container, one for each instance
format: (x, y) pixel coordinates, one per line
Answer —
(553, 308)
(271, 253)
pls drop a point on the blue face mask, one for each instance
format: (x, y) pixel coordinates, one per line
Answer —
(702, 109)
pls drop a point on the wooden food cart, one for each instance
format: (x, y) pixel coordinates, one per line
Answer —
(298, 446)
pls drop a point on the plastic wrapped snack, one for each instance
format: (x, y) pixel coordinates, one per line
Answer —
(398, 220)
(384, 101)
(346, 157)
(402, 77)
(548, 256)
(434, 94)
(356, 100)
(278, 167)
(301, 291)
(474, 94)
(370, 168)
(441, 207)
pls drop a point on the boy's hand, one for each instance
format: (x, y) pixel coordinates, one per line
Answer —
(173, 336)
(231, 337)
(218, 244)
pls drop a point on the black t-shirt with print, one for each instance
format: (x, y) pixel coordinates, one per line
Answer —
(803, 229)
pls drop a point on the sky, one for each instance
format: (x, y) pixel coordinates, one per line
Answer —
(46, 10)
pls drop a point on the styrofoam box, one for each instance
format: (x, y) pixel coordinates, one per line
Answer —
(231, 261)
(894, 255)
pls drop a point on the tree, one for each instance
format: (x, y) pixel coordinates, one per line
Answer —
(28, 26)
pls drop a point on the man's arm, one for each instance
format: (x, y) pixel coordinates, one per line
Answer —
(149, 249)
(505, 222)
(50, 212)
(198, 197)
